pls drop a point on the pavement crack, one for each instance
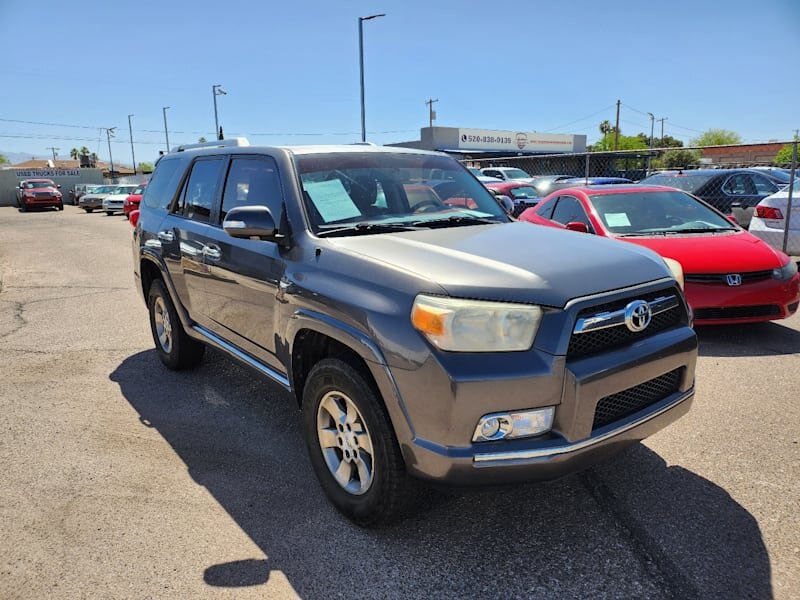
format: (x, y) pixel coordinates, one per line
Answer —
(656, 563)
(17, 310)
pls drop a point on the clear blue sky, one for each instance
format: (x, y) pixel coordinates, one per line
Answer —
(292, 68)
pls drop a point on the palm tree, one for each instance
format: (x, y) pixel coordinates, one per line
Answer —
(605, 127)
(73, 154)
(84, 150)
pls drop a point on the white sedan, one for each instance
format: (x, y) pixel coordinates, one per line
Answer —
(115, 201)
(769, 220)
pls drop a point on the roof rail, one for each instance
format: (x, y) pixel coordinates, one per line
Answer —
(232, 142)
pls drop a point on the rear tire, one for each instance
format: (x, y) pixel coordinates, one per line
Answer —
(88, 210)
(60, 206)
(109, 213)
(352, 446)
(175, 348)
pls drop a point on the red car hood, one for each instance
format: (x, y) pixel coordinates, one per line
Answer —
(716, 253)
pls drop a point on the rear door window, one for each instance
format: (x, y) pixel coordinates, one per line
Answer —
(197, 200)
(764, 187)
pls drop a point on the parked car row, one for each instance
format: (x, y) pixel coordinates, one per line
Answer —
(112, 198)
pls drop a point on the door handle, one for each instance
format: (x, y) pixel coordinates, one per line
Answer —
(166, 236)
(212, 251)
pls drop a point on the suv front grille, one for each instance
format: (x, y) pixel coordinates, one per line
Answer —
(625, 403)
(591, 342)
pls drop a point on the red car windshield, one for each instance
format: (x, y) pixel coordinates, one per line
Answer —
(653, 213)
(36, 185)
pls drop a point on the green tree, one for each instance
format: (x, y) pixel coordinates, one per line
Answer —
(784, 155)
(146, 167)
(674, 159)
(3, 160)
(668, 142)
(84, 151)
(717, 137)
(74, 153)
(625, 142)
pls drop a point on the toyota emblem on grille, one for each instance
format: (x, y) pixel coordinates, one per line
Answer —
(733, 279)
(638, 315)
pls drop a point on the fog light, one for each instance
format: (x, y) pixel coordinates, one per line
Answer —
(500, 426)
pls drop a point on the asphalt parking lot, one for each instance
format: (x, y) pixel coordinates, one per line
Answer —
(121, 479)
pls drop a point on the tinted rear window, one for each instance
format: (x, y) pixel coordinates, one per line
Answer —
(687, 183)
(163, 185)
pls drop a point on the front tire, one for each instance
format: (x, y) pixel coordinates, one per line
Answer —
(88, 210)
(60, 206)
(175, 348)
(352, 446)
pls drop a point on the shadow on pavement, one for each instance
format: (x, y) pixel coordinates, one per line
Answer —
(629, 528)
(750, 339)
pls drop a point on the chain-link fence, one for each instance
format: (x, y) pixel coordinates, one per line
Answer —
(757, 176)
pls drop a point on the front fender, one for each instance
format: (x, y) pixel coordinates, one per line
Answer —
(368, 350)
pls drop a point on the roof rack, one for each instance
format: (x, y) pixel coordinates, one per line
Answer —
(232, 142)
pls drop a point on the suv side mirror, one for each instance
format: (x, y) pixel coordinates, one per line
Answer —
(577, 226)
(58, 186)
(733, 219)
(506, 203)
(251, 222)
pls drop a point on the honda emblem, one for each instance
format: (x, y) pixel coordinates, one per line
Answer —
(733, 279)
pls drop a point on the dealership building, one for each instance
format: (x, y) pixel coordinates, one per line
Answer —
(466, 143)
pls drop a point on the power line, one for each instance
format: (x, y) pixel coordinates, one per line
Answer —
(594, 114)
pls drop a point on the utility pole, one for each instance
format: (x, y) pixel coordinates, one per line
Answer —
(616, 127)
(133, 156)
(662, 129)
(652, 126)
(431, 112)
(109, 134)
(166, 131)
(54, 152)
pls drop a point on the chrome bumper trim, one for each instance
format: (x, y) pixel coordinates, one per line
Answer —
(492, 459)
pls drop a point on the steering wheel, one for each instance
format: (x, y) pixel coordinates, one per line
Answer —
(428, 205)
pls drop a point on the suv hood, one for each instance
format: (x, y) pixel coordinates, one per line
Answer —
(516, 262)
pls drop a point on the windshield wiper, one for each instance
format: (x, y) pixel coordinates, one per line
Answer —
(456, 220)
(642, 233)
(701, 230)
(364, 228)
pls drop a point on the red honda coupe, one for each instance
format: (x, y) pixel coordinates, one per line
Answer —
(730, 276)
(132, 202)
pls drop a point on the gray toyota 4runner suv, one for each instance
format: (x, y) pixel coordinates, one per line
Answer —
(424, 334)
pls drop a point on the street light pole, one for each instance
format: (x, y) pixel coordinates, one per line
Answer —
(133, 155)
(166, 131)
(361, 69)
(109, 134)
(216, 90)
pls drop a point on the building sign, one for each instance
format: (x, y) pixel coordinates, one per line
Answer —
(36, 173)
(514, 141)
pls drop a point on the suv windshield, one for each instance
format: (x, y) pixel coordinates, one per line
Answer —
(516, 174)
(125, 189)
(386, 189)
(643, 213)
(687, 183)
(35, 185)
(104, 189)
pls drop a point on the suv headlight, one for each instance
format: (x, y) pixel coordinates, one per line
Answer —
(785, 272)
(675, 267)
(461, 325)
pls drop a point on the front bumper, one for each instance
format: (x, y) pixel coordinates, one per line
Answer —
(575, 443)
(90, 203)
(720, 304)
(52, 201)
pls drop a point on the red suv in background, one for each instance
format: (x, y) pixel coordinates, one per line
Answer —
(132, 202)
(38, 192)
